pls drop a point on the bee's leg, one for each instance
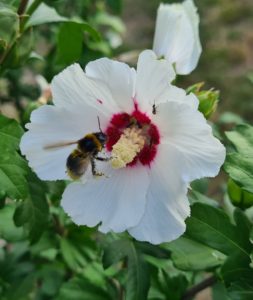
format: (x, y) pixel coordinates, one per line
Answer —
(93, 168)
(102, 158)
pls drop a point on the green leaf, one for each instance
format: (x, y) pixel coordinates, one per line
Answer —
(219, 292)
(21, 289)
(240, 169)
(72, 255)
(104, 19)
(190, 255)
(230, 118)
(137, 269)
(195, 197)
(80, 288)
(238, 196)
(8, 230)
(239, 164)
(235, 267)
(9, 22)
(211, 226)
(44, 14)
(241, 290)
(33, 211)
(70, 41)
(10, 133)
(115, 5)
(20, 51)
(174, 286)
(13, 168)
(51, 276)
(243, 223)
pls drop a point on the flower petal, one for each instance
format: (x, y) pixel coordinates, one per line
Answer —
(153, 78)
(51, 125)
(192, 13)
(177, 36)
(176, 94)
(190, 140)
(167, 204)
(73, 87)
(117, 202)
(119, 77)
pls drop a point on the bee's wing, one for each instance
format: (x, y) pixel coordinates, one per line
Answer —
(59, 145)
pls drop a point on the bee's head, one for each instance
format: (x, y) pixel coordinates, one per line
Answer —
(101, 137)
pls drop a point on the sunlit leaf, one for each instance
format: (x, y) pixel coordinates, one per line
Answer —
(239, 164)
(44, 14)
(211, 226)
(190, 255)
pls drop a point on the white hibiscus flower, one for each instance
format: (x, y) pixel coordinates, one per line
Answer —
(157, 139)
(177, 35)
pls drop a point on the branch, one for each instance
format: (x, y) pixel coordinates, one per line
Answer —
(199, 287)
(22, 7)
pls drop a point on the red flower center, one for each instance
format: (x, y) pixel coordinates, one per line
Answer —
(119, 122)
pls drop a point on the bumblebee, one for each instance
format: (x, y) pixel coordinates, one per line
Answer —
(86, 153)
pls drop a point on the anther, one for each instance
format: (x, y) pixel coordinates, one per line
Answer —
(128, 146)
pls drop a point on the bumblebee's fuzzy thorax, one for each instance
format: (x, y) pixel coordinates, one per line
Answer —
(92, 142)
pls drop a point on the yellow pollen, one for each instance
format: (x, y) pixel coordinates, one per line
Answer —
(128, 146)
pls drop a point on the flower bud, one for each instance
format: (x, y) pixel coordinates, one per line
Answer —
(177, 35)
(208, 99)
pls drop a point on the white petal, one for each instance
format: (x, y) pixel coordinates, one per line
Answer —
(176, 94)
(177, 36)
(73, 87)
(190, 140)
(117, 202)
(167, 204)
(52, 125)
(192, 13)
(119, 77)
(153, 78)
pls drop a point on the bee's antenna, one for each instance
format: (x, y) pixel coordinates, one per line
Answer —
(99, 124)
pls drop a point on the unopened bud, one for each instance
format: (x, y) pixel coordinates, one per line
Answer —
(208, 99)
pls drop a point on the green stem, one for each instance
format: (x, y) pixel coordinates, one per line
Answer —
(22, 7)
(29, 12)
(189, 294)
